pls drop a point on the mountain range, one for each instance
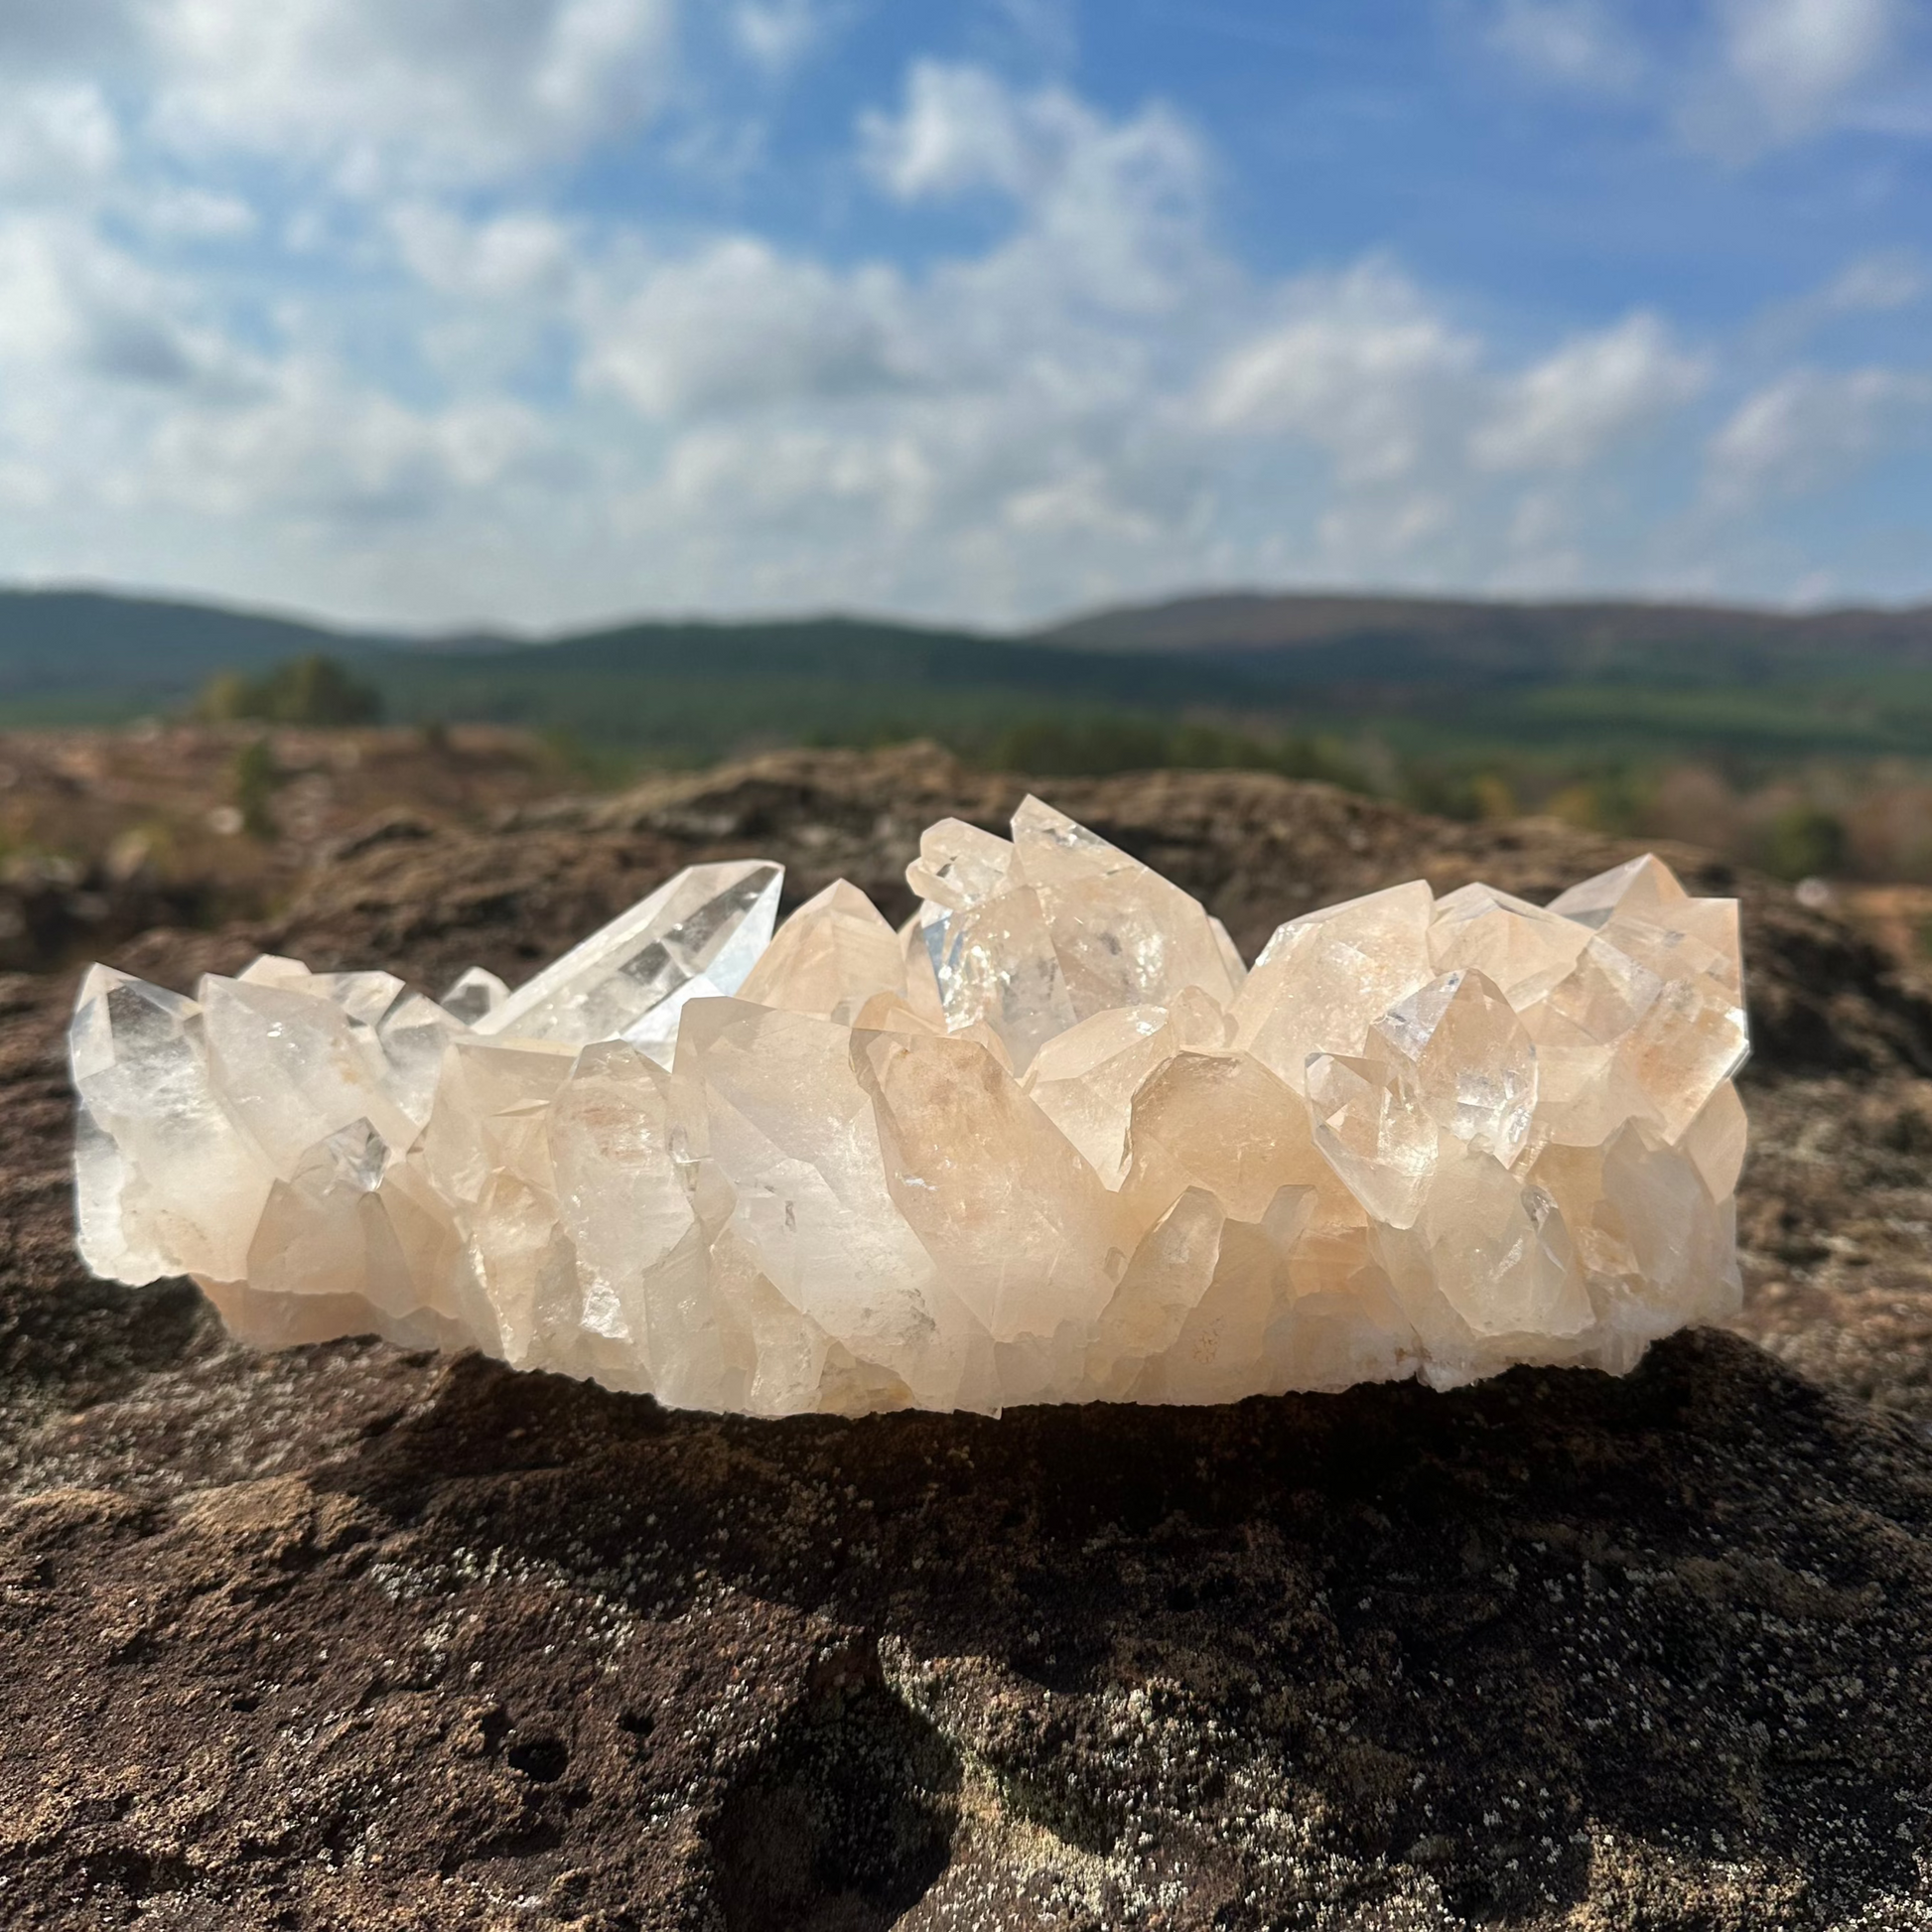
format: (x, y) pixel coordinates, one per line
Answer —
(1618, 673)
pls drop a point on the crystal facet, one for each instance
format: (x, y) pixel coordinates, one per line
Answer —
(695, 937)
(1050, 1140)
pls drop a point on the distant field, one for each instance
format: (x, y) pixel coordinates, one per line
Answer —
(1874, 712)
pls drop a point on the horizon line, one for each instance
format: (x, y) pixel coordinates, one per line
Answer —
(483, 630)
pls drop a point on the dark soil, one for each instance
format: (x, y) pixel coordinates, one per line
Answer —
(347, 1637)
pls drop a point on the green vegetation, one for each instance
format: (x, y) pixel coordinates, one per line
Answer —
(93, 657)
(1453, 691)
(1093, 748)
(1780, 772)
(1803, 841)
(256, 777)
(312, 690)
(1801, 744)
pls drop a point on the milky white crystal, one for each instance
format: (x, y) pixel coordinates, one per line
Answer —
(1050, 1142)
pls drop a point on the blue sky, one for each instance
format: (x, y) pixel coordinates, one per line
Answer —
(542, 311)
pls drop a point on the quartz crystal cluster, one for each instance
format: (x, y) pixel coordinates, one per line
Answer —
(1050, 1142)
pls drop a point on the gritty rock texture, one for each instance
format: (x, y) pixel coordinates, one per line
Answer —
(349, 1637)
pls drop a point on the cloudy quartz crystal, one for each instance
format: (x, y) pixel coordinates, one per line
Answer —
(1050, 1142)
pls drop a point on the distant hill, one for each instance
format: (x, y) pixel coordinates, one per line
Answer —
(1456, 676)
(1337, 637)
(695, 687)
(1609, 677)
(701, 689)
(97, 652)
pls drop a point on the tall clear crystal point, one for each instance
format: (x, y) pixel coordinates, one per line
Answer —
(696, 937)
(985, 938)
(1123, 935)
(1640, 888)
(1050, 1140)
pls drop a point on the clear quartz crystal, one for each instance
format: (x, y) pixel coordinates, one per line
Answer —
(1324, 979)
(1522, 947)
(986, 935)
(473, 994)
(695, 937)
(1372, 1129)
(1084, 1080)
(830, 957)
(1123, 935)
(1055, 927)
(1050, 1140)
(166, 1181)
(1466, 1058)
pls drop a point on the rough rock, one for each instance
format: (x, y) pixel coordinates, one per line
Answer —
(351, 1637)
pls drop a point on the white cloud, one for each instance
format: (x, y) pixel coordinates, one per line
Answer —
(323, 446)
(1876, 284)
(506, 255)
(371, 90)
(739, 325)
(809, 479)
(1577, 42)
(776, 34)
(76, 305)
(1116, 204)
(1798, 58)
(450, 90)
(1879, 284)
(1811, 427)
(305, 301)
(195, 213)
(58, 138)
(1103, 223)
(1050, 26)
(1733, 77)
(1567, 411)
(961, 128)
(1360, 363)
(37, 35)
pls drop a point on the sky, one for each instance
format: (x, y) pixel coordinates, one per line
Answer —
(430, 312)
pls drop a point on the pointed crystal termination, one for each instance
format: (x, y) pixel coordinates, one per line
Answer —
(695, 937)
(833, 955)
(475, 994)
(1056, 927)
(1049, 1142)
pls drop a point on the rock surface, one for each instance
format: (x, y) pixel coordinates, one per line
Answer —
(359, 1638)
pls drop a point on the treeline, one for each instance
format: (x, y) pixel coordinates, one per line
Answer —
(314, 690)
(1795, 817)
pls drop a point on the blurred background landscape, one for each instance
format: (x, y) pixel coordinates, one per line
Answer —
(192, 760)
(1503, 407)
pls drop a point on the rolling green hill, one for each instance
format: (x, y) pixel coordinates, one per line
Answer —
(1433, 677)
(72, 656)
(701, 689)
(1315, 636)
